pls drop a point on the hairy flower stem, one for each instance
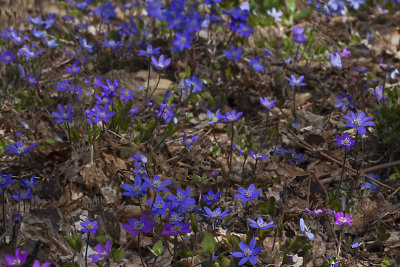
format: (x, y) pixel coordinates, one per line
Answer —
(148, 86)
(175, 243)
(231, 153)
(4, 208)
(86, 250)
(254, 169)
(357, 167)
(19, 183)
(296, 55)
(141, 258)
(343, 168)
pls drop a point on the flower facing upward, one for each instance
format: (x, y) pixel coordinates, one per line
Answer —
(256, 65)
(18, 148)
(345, 141)
(336, 60)
(341, 218)
(260, 224)
(216, 214)
(103, 252)
(275, 14)
(63, 115)
(159, 206)
(360, 121)
(136, 226)
(214, 118)
(248, 194)
(88, 226)
(345, 53)
(248, 253)
(176, 229)
(138, 188)
(189, 141)
(156, 184)
(231, 116)
(210, 198)
(296, 81)
(266, 103)
(305, 230)
(344, 101)
(234, 53)
(15, 260)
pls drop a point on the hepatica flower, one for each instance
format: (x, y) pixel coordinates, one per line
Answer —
(260, 224)
(234, 53)
(210, 198)
(136, 226)
(156, 184)
(159, 206)
(149, 51)
(378, 92)
(296, 81)
(111, 43)
(37, 263)
(102, 114)
(336, 60)
(371, 185)
(256, 65)
(15, 260)
(345, 141)
(176, 229)
(231, 116)
(137, 189)
(266, 103)
(23, 195)
(360, 121)
(258, 156)
(88, 226)
(103, 252)
(7, 57)
(29, 184)
(345, 53)
(160, 63)
(305, 230)
(248, 194)
(310, 212)
(345, 101)
(275, 14)
(75, 69)
(214, 118)
(217, 214)
(341, 218)
(5, 180)
(18, 148)
(63, 115)
(248, 252)
(189, 141)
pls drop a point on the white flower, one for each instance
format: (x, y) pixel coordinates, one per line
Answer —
(275, 14)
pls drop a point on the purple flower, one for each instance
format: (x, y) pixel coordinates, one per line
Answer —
(360, 70)
(360, 121)
(176, 229)
(356, 245)
(345, 141)
(125, 95)
(341, 218)
(210, 198)
(194, 83)
(244, 30)
(231, 116)
(217, 214)
(7, 57)
(102, 114)
(111, 43)
(149, 51)
(345, 53)
(378, 92)
(32, 80)
(258, 156)
(248, 253)
(234, 53)
(305, 229)
(182, 41)
(156, 184)
(266, 103)
(256, 65)
(344, 101)
(29, 184)
(336, 60)
(37, 263)
(214, 118)
(63, 115)
(160, 63)
(18, 148)
(180, 195)
(137, 189)
(299, 35)
(103, 252)
(75, 69)
(88, 226)
(371, 185)
(23, 195)
(248, 194)
(5, 180)
(50, 43)
(16, 260)
(296, 81)
(260, 224)
(159, 207)
(189, 141)
(318, 211)
(356, 3)
(136, 226)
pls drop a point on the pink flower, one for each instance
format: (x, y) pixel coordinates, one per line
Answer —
(345, 53)
(341, 218)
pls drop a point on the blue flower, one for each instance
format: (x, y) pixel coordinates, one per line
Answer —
(210, 198)
(217, 214)
(214, 118)
(248, 194)
(29, 184)
(149, 51)
(22, 196)
(159, 207)
(63, 115)
(266, 103)
(189, 141)
(296, 81)
(156, 184)
(260, 224)
(88, 226)
(345, 141)
(344, 101)
(371, 185)
(180, 195)
(305, 229)
(360, 121)
(194, 83)
(111, 43)
(102, 114)
(18, 148)
(360, 70)
(85, 45)
(75, 69)
(248, 252)
(336, 60)
(5, 180)
(356, 244)
(7, 57)
(356, 3)
(378, 92)
(50, 43)
(137, 189)
(258, 156)
(182, 41)
(160, 63)
(231, 116)
(256, 65)
(234, 53)
(299, 35)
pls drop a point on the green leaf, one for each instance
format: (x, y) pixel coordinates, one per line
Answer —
(75, 241)
(224, 261)
(195, 224)
(208, 245)
(158, 248)
(118, 254)
(382, 234)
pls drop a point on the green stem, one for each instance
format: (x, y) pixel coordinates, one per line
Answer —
(231, 153)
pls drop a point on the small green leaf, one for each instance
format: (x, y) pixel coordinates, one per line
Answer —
(208, 245)
(118, 254)
(158, 248)
(75, 241)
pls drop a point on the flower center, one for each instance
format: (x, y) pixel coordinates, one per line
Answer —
(247, 252)
(102, 115)
(65, 116)
(176, 228)
(249, 193)
(8, 58)
(139, 226)
(357, 122)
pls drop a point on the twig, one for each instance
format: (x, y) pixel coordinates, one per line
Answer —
(381, 166)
